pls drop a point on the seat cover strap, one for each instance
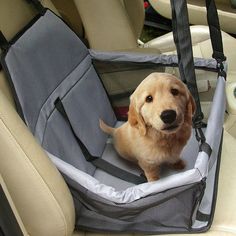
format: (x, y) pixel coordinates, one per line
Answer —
(97, 161)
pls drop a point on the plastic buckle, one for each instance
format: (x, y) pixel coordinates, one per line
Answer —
(200, 135)
(198, 125)
(220, 66)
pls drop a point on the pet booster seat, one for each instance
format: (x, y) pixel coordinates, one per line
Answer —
(60, 96)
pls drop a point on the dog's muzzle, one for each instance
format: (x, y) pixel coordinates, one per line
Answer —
(168, 116)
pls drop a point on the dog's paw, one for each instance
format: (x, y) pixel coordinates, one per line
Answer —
(179, 165)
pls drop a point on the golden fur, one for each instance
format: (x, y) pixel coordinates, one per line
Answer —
(145, 137)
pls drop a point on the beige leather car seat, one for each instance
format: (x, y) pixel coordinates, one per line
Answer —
(112, 24)
(37, 189)
(68, 11)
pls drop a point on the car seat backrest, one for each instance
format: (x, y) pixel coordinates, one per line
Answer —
(15, 14)
(136, 13)
(107, 24)
(70, 14)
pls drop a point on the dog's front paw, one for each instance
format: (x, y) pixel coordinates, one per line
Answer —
(179, 165)
(152, 172)
(151, 178)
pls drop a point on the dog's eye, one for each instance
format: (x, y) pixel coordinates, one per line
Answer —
(174, 92)
(149, 98)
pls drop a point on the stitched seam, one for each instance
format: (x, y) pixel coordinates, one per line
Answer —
(71, 88)
(56, 89)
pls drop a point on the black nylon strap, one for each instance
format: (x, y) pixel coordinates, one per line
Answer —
(4, 45)
(215, 33)
(97, 161)
(59, 106)
(119, 173)
(204, 146)
(182, 38)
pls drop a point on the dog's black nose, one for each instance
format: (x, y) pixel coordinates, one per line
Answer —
(168, 116)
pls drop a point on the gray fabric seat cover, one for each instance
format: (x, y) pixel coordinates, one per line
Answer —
(47, 64)
(48, 61)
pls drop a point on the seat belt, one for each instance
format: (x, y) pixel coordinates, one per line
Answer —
(97, 161)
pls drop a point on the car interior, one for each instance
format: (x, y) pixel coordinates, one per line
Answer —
(197, 11)
(37, 195)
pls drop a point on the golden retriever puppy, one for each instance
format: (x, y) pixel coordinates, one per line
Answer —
(159, 124)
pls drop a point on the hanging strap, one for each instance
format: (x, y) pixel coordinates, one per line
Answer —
(182, 38)
(215, 33)
(216, 37)
(97, 161)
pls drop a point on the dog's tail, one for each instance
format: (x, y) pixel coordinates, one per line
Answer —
(107, 129)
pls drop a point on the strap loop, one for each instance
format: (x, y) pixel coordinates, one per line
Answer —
(200, 135)
(221, 68)
(219, 56)
(215, 32)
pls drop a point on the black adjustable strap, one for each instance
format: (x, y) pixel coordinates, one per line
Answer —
(59, 106)
(4, 45)
(119, 173)
(182, 38)
(216, 37)
(97, 161)
(215, 33)
(203, 145)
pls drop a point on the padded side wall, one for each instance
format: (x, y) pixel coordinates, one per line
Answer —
(169, 211)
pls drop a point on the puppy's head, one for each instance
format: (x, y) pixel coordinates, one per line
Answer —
(162, 102)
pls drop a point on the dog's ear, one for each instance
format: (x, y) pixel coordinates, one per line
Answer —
(135, 119)
(191, 106)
